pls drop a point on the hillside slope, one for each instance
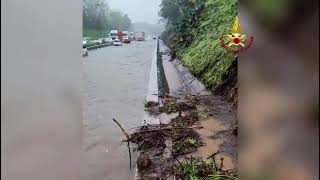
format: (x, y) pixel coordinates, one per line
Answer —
(193, 32)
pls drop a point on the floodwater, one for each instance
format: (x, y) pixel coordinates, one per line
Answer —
(115, 82)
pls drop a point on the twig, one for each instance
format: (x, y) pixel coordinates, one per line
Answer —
(172, 128)
(168, 176)
(128, 142)
(221, 163)
(213, 155)
(177, 160)
(128, 145)
(214, 160)
(217, 175)
(156, 145)
(124, 132)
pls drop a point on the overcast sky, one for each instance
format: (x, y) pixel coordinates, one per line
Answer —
(138, 10)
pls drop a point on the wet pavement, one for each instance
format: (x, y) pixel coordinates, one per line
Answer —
(115, 84)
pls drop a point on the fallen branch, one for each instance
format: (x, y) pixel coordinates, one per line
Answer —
(213, 155)
(161, 129)
(221, 175)
(124, 132)
(128, 142)
(172, 128)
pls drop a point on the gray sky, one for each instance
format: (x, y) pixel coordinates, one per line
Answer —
(138, 10)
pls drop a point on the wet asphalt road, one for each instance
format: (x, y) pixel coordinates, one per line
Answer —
(115, 82)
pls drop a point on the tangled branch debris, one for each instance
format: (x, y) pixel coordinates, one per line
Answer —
(152, 107)
(178, 138)
(128, 143)
(150, 141)
(185, 141)
(172, 104)
(185, 121)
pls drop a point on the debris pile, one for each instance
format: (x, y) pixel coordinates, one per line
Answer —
(152, 108)
(189, 119)
(158, 145)
(185, 141)
(177, 104)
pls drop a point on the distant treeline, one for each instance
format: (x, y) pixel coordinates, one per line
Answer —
(98, 18)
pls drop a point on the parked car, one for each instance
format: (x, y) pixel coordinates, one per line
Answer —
(98, 41)
(84, 52)
(131, 36)
(154, 37)
(85, 41)
(108, 41)
(126, 39)
(102, 41)
(117, 42)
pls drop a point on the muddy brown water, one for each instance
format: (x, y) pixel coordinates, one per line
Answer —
(115, 82)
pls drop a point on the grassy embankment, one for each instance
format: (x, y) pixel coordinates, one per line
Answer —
(205, 57)
(199, 47)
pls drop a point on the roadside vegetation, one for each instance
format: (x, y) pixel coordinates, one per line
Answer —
(193, 31)
(199, 169)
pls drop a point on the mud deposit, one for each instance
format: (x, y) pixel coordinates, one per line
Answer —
(194, 139)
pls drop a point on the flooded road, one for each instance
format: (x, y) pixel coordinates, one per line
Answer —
(115, 82)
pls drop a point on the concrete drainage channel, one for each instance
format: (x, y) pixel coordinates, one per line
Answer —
(152, 97)
(158, 87)
(161, 140)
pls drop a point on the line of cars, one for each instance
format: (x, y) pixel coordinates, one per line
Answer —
(120, 37)
(109, 41)
(87, 42)
(116, 38)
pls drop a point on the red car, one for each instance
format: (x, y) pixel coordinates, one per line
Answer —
(126, 39)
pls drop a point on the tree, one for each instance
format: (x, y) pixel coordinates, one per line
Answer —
(97, 16)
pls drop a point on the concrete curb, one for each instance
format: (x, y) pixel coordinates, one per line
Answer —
(153, 89)
(152, 96)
